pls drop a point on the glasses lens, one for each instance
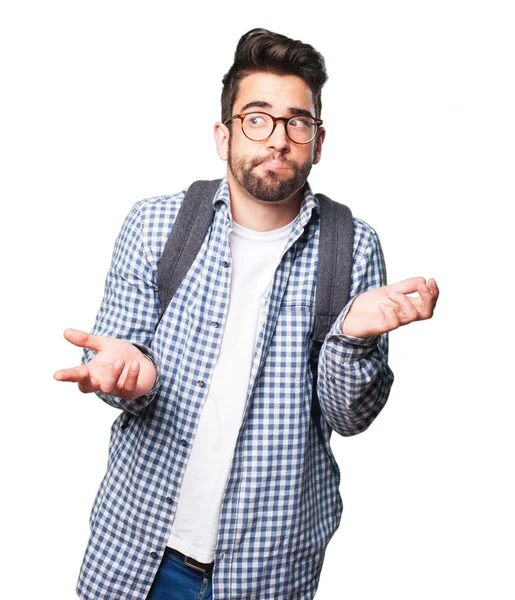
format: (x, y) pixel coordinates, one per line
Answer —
(301, 129)
(257, 126)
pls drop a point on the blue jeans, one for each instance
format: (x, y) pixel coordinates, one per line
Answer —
(176, 581)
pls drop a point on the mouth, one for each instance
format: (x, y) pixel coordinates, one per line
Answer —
(274, 165)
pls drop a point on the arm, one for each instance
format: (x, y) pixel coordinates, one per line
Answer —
(354, 378)
(117, 356)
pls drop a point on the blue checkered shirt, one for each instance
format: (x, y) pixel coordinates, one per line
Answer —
(281, 503)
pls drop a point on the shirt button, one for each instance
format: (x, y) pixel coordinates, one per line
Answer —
(200, 383)
(153, 554)
(215, 324)
(184, 443)
(225, 264)
(169, 499)
(332, 379)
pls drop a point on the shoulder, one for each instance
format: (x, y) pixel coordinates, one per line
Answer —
(365, 235)
(159, 212)
(368, 259)
(154, 218)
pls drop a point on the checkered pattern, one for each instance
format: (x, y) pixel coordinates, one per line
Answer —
(281, 504)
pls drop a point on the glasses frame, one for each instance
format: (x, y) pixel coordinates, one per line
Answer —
(285, 121)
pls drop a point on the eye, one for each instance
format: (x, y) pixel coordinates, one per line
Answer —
(256, 120)
(301, 123)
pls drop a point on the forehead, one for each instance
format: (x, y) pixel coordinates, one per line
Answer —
(281, 92)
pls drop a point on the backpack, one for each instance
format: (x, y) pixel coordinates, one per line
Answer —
(334, 264)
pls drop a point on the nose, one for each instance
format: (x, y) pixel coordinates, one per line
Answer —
(279, 139)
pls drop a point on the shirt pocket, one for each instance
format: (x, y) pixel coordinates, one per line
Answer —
(294, 326)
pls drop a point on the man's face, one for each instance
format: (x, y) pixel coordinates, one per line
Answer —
(274, 169)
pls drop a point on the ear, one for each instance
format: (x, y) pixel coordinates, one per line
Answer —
(222, 135)
(319, 140)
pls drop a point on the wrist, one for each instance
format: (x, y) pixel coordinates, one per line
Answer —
(149, 369)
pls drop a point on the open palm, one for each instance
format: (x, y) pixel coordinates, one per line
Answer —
(118, 368)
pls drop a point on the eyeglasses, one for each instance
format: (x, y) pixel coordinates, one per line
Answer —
(259, 126)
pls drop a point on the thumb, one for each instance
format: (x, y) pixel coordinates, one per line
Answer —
(83, 339)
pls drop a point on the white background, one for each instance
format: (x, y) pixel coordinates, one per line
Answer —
(105, 103)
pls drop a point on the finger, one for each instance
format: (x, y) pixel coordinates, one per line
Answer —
(83, 339)
(110, 381)
(86, 382)
(67, 374)
(408, 311)
(131, 380)
(390, 316)
(427, 302)
(434, 289)
(407, 286)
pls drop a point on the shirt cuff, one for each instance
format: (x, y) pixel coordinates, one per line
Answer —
(336, 331)
(150, 355)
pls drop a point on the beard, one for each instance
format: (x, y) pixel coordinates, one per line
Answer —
(270, 187)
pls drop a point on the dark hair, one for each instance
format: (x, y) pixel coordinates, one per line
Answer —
(263, 50)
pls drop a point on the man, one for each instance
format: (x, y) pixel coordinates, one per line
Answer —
(217, 484)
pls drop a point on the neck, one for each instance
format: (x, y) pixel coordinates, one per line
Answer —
(259, 215)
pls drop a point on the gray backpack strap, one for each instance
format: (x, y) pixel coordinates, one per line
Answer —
(335, 256)
(189, 230)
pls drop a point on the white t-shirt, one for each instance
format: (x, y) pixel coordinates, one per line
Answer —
(255, 257)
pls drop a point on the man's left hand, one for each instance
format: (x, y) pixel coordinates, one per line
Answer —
(385, 308)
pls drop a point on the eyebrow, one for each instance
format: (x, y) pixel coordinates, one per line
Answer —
(294, 110)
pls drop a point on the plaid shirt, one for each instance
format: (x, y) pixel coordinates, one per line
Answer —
(281, 503)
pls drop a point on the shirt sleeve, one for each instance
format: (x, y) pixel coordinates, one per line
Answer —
(130, 306)
(354, 379)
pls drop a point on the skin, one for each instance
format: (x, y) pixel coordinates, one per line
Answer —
(278, 96)
(118, 368)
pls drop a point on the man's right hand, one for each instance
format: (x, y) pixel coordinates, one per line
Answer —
(118, 368)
